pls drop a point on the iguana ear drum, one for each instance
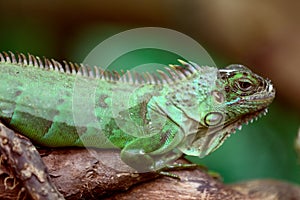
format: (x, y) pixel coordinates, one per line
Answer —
(213, 119)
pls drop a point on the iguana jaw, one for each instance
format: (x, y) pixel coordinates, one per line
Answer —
(232, 127)
(215, 136)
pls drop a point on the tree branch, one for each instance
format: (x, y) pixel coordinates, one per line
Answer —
(92, 174)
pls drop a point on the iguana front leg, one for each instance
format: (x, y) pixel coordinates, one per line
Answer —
(146, 154)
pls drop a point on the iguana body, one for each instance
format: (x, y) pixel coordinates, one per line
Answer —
(152, 118)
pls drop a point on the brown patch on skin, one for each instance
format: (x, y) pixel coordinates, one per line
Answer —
(60, 101)
(227, 89)
(20, 122)
(18, 93)
(101, 101)
(218, 96)
(143, 110)
(165, 136)
(81, 130)
(143, 106)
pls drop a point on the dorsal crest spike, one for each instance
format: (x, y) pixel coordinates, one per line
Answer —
(185, 72)
(77, 68)
(156, 79)
(108, 75)
(40, 63)
(46, 63)
(179, 72)
(196, 66)
(116, 75)
(172, 66)
(13, 57)
(137, 78)
(79, 72)
(19, 59)
(2, 58)
(56, 68)
(23, 59)
(30, 62)
(172, 73)
(97, 73)
(35, 62)
(123, 77)
(111, 76)
(60, 67)
(182, 62)
(164, 77)
(90, 71)
(188, 66)
(7, 58)
(103, 75)
(67, 68)
(130, 79)
(151, 78)
(84, 70)
(73, 70)
(51, 67)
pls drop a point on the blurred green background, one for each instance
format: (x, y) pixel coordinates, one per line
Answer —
(263, 35)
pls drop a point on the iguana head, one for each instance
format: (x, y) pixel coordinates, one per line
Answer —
(237, 96)
(242, 94)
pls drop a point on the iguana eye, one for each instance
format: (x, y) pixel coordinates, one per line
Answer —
(244, 85)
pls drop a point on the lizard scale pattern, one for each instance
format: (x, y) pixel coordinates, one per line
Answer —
(152, 118)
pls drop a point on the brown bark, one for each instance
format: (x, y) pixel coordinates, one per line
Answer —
(22, 161)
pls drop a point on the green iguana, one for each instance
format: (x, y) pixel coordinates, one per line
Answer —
(153, 118)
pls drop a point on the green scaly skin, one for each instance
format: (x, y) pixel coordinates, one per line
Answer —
(153, 119)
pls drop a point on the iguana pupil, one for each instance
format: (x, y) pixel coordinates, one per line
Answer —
(245, 85)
